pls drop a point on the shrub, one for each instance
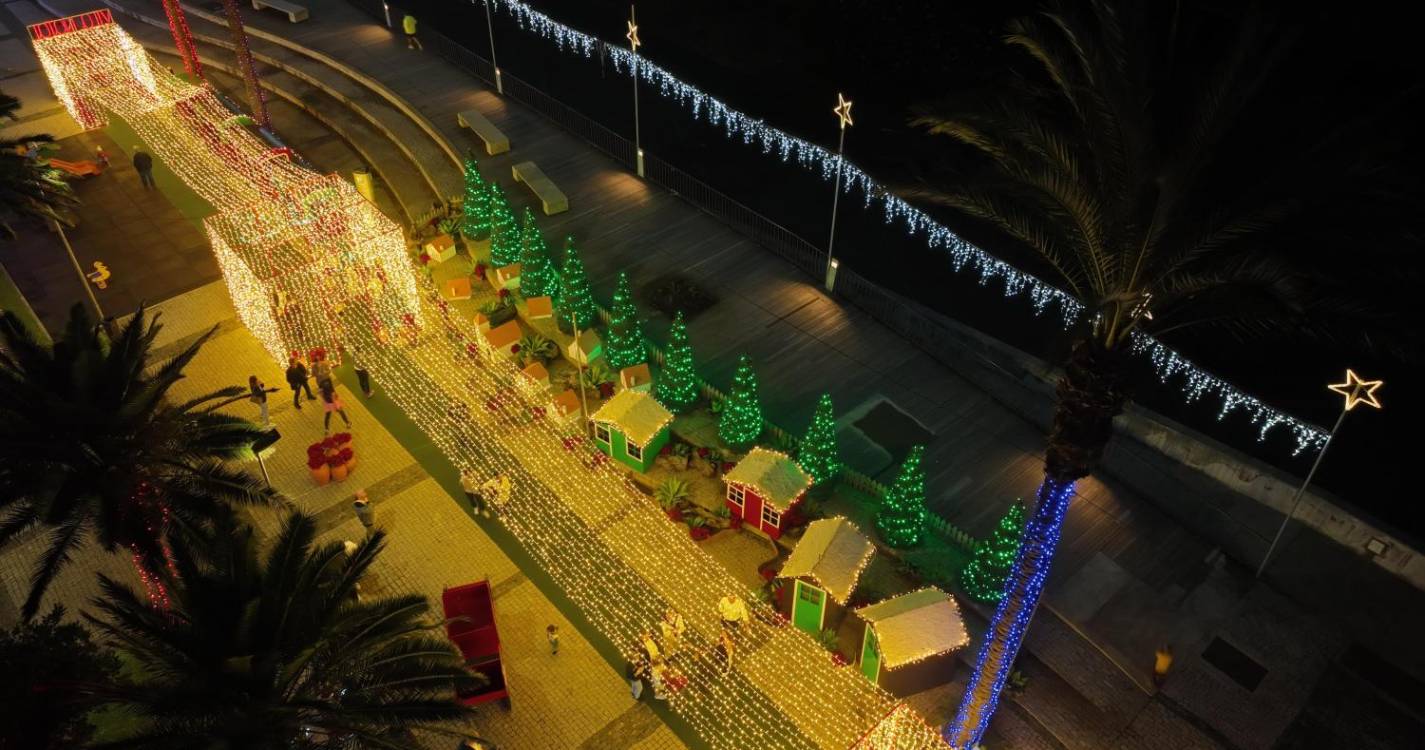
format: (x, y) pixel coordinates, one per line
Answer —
(671, 492)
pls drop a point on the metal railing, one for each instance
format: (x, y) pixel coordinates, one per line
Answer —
(911, 321)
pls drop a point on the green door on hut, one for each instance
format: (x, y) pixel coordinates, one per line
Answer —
(870, 656)
(807, 608)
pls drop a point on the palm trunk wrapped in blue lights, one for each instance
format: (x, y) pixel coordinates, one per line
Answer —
(1012, 616)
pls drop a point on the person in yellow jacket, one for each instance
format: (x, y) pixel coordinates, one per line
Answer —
(409, 24)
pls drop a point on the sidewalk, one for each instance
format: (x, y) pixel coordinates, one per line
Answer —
(575, 699)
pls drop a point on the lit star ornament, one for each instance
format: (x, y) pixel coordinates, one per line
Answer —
(1358, 391)
(843, 111)
(632, 36)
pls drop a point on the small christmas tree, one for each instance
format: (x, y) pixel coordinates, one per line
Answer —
(677, 386)
(741, 420)
(626, 346)
(901, 518)
(817, 452)
(537, 276)
(983, 578)
(576, 301)
(476, 222)
(504, 233)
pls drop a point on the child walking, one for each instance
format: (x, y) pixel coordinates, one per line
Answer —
(331, 403)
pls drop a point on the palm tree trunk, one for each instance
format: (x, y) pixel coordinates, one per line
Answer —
(1089, 395)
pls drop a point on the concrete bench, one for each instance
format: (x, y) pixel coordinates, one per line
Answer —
(495, 141)
(544, 188)
(294, 11)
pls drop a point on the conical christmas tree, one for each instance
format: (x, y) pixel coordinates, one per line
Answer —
(901, 518)
(537, 277)
(476, 207)
(741, 420)
(817, 452)
(677, 386)
(983, 578)
(504, 233)
(626, 346)
(576, 301)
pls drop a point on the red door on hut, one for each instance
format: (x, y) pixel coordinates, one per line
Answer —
(762, 487)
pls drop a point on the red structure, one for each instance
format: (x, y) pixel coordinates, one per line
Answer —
(183, 38)
(57, 26)
(255, 97)
(762, 487)
(470, 624)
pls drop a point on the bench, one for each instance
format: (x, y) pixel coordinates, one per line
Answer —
(544, 188)
(294, 11)
(495, 141)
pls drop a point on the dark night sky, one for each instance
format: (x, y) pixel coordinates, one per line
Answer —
(784, 61)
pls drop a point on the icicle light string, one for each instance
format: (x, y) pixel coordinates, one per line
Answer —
(736, 125)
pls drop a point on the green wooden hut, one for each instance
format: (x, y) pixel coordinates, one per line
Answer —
(632, 427)
(910, 640)
(823, 570)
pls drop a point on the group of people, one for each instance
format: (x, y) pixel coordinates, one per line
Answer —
(658, 655)
(299, 379)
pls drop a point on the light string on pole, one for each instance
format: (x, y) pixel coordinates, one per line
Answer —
(1194, 381)
(494, 62)
(1356, 392)
(633, 45)
(843, 115)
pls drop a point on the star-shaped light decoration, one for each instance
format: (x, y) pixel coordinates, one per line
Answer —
(1358, 391)
(632, 35)
(843, 110)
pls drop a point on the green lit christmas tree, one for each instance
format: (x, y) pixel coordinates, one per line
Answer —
(741, 420)
(817, 452)
(504, 232)
(901, 518)
(626, 346)
(677, 386)
(476, 207)
(537, 276)
(983, 578)
(576, 300)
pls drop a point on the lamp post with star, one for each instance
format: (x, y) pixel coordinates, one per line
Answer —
(633, 44)
(843, 113)
(1356, 392)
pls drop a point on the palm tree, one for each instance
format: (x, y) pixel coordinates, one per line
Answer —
(28, 188)
(276, 651)
(1112, 186)
(91, 445)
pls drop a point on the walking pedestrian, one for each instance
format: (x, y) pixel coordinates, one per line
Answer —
(634, 671)
(725, 648)
(1162, 663)
(101, 156)
(257, 393)
(321, 368)
(143, 163)
(657, 673)
(363, 377)
(552, 634)
(673, 627)
(733, 611)
(364, 512)
(297, 379)
(331, 403)
(409, 25)
(471, 484)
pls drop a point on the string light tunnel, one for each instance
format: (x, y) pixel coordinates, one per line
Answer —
(307, 261)
(1193, 381)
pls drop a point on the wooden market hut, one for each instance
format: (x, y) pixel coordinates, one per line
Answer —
(762, 487)
(586, 348)
(631, 428)
(504, 337)
(909, 642)
(824, 569)
(506, 277)
(636, 378)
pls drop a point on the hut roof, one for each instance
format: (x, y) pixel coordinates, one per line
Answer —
(832, 552)
(777, 479)
(915, 626)
(636, 414)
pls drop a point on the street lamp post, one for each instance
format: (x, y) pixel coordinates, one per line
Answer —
(843, 113)
(1356, 391)
(633, 45)
(579, 375)
(83, 280)
(490, 27)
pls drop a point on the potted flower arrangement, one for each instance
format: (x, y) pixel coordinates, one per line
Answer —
(317, 463)
(331, 458)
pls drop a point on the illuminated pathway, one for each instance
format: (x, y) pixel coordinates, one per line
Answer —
(604, 542)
